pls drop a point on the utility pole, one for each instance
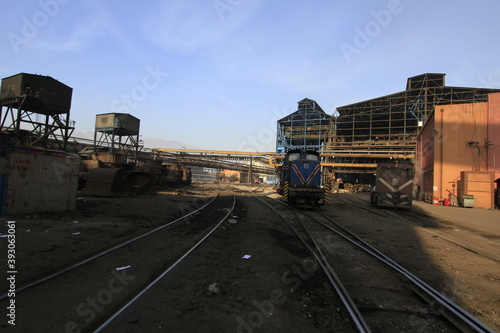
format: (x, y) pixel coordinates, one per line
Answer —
(250, 175)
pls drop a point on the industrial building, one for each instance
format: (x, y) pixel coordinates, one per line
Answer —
(386, 128)
(304, 128)
(451, 134)
(116, 139)
(458, 153)
(35, 111)
(36, 172)
(202, 174)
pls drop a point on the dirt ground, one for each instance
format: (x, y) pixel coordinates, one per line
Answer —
(216, 290)
(437, 245)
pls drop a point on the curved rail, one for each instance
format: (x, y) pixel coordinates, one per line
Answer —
(346, 299)
(454, 313)
(144, 290)
(412, 217)
(104, 252)
(459, 317)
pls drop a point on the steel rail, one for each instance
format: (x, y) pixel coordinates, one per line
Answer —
(449, 309)
(346, 299)
(454, 313)
(104, 252)
(144, 290)
(412, 217)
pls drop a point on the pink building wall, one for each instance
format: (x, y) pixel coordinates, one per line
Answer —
(456, 138)
(494, 134)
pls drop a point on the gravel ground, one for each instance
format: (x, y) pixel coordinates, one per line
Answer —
(216, 290)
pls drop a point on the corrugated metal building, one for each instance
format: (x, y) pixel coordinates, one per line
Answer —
(459, 149)
(375, 130)
(35, 111)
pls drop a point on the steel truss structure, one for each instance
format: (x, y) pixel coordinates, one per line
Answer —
(118, 133)
(231, 160)
(386, 127)
(121, 144)
(303, 129)
(30, 128)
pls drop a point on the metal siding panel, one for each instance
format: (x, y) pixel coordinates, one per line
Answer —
(41, 183)
(105, 121)
(11, 86)
(56, 95)
(494, 133)
(458, 125)
(480, 184)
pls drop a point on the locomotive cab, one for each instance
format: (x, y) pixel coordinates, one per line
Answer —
(301, 180)
(393, 185)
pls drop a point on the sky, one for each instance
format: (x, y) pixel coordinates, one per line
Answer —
(218, 74)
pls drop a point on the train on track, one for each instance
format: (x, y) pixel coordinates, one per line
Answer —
(301, 181)
(393, 185)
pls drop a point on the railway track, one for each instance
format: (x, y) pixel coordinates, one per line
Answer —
(377, 294)
(84, 294)
(150, 285)
(310, 243)
(409, 216)
(79, 263)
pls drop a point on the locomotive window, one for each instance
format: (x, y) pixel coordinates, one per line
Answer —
(294, 157)
(311, 157)
(407, 173)
(395, 172)
(388, 172)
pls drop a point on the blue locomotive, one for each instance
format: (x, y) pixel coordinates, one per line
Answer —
(301, 179)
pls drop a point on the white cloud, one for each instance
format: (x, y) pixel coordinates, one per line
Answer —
(81, 35)
(190, 25)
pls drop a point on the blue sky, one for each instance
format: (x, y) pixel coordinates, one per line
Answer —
(217, 74)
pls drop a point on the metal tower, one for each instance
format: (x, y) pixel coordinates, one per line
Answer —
(118, 133)
(35, 111)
